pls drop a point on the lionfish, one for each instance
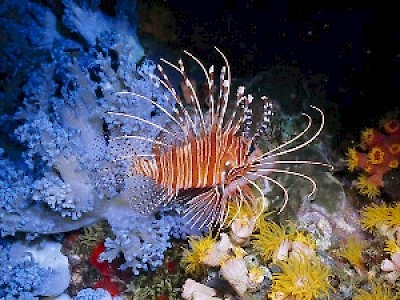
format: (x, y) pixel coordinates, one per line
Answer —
(212, 159)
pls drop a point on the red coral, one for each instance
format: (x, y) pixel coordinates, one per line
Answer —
(378, 153)
(103, 267)
(109, 284)
(109, 279)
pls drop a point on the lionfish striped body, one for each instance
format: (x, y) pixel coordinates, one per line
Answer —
(211, 159)
(200, 162)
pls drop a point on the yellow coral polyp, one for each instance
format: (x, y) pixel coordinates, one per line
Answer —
(378, 291)
(199, 249)
(352, 159)
(256, 272)
(375, 216)
(391, 247)
(393, 164)
(367, 136)
(301, 278)
(376, 156)
(366, 187)
(394, 149)
(391, 126)
(269, 238)
(305, 239)
(235, 211)
(353, 252)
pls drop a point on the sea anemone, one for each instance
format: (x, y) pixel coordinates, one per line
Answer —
(378, 291)
(301, 278)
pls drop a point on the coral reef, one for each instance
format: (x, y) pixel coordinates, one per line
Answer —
(69, 219)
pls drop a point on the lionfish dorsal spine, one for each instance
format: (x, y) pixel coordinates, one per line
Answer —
(186, 120)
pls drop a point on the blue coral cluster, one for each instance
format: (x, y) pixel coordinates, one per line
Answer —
(60, 164)
(93, 294)
(21, 277)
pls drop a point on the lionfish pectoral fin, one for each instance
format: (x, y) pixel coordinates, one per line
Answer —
(201, 206)
(148, 198)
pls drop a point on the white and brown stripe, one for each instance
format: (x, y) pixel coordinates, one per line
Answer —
(199, 163)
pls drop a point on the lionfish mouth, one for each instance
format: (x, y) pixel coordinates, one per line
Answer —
(210, 159)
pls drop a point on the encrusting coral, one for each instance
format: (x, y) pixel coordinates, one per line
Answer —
(378, 153)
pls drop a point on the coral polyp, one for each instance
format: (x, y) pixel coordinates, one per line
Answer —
(269, 238)
(193, 258)
(352, 252)
(380, 217)
(301, 278)
(378, 291)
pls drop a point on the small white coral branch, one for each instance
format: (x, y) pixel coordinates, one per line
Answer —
(219, 252)
(392, 267)
(241, 229)
(234, 270)
(193, 290)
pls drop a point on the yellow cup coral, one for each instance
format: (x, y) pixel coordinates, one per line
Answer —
(269, 238)
(277, 242)
(352, 252)
(378, 292)
(302, 278)
(193, 258)
(382, 218)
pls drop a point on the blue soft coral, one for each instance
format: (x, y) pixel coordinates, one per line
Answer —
(20, 278)
(66, 173)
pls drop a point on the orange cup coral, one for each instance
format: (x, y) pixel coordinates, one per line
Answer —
(378, 152)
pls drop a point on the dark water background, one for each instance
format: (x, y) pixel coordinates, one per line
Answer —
(357, 46)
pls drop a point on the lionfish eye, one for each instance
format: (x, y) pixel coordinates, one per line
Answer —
(227, 167)
(252, 148)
